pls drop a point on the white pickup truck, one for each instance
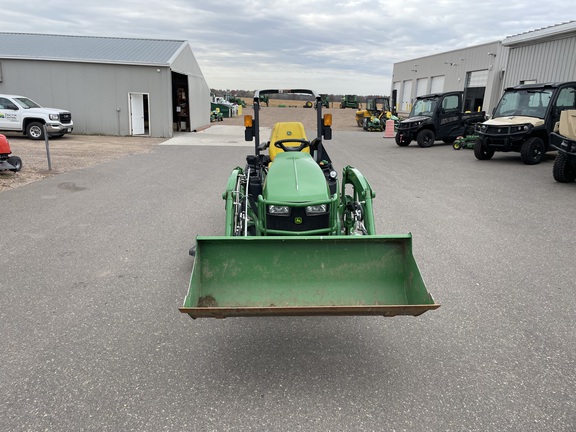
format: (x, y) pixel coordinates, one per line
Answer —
(21, 114)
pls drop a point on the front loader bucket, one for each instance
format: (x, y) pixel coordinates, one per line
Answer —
(297, 276)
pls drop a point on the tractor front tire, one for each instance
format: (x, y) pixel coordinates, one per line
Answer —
(35, 131)
(425, 138)
(532, 151)
(16, 162)
(457, 145)
(564, 170)
(482, 152)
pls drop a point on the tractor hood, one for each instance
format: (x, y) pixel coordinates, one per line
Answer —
(295, 177)
(514, 120)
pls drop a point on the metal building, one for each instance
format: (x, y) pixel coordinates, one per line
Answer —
(544, 55)
(112, 86)
(483, 71)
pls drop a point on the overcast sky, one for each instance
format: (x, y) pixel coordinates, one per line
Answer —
(331, 46)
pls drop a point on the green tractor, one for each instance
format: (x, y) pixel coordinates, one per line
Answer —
(216, 115)
(299, 240)
(349, 101)
(373, 118)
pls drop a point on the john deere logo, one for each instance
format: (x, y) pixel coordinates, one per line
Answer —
(298, 220)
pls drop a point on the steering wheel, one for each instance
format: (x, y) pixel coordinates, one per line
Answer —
(303, 144)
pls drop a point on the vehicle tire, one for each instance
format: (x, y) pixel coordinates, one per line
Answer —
(425, 138)
(482, 152)
(35, 131)
(401, 143)
(532, 151)
(564, 171)
(16, 162)
(365, 123)
(457, 145)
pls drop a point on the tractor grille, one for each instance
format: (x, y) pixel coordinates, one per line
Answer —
(289, 223)
(65, 117)
(501, 130)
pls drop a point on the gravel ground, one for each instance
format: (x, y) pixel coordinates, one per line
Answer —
(72, 152)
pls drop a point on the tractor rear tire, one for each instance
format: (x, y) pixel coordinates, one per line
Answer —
(35, 131)
(564, 170)
(532, 151)
(482, 152)
(425, 138)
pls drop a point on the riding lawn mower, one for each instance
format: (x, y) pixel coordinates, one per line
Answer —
(7, 162)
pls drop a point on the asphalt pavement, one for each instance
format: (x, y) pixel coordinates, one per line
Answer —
(95, 265)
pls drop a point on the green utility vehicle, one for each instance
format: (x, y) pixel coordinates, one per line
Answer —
(299, 240)
(437, 116)
(523, 119)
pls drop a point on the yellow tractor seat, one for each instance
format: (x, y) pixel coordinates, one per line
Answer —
(286, 130)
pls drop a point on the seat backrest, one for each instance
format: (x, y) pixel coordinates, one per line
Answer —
(286, 130)
(568, 124)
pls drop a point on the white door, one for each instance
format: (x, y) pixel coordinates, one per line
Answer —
(137, 113)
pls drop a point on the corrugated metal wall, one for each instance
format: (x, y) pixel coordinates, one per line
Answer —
(544, 62)
(198, 89)
(97, 94)
(450, 70)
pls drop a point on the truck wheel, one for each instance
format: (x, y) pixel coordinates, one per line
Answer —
(16, 162)
(482, 152)
(35, 131)
(564, 171)
(532, 151)
(425, 138)
(400, 142)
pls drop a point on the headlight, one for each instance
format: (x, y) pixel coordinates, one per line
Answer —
(316, 209)
(53, 116)
(333, 174)
(279, 210)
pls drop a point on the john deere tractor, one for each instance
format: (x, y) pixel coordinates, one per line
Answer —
(373, 117)
(299, 239)
(349, 101)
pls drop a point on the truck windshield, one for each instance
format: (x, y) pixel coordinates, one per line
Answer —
(530, 103)
(27, 103)
(424, 107)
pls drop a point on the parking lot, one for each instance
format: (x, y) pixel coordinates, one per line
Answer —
(96, 265)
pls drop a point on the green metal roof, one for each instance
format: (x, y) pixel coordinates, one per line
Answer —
(89, 49)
